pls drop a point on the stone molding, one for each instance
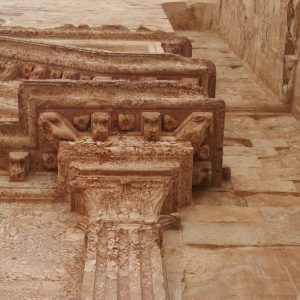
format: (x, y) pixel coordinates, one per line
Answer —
(71, 99)
(170, 42)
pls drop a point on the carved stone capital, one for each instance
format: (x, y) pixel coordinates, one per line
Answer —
(121, 191)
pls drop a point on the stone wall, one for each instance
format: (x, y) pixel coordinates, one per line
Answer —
(198, 15)
(262, 33)
(296, 93)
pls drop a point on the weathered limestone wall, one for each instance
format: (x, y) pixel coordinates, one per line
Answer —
(262, 33)
(296, 93)
(198, 15)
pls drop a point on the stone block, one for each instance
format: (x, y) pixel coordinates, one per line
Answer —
(218, 234)
(244, 184)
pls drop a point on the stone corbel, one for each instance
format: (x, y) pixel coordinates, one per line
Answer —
(18, 165)
(196, 128)
(55, 128)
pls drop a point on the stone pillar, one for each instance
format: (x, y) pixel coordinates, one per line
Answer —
(123, 258)
(126, 189)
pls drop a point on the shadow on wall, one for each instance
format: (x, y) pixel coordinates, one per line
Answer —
(192, 15)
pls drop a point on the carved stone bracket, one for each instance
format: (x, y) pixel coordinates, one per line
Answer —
(18, 165)
(56, 128)
(196, 128)
(127, 103)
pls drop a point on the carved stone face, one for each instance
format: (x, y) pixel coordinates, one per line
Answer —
(126, 122)
(100, 126)
(203, 152)
(151, 125)
(16, 170)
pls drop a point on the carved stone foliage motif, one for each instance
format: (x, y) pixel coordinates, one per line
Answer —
(171, 221)
(126, 122)
(125, 199)
(40, 72)
(82, 122)
(11, 72)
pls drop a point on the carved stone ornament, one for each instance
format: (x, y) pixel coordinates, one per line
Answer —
(82, 122)
(126, 122)
(55, 128)
(170, 123)
(151, 125)
(100, 126)
(50, 161)
(18, 165)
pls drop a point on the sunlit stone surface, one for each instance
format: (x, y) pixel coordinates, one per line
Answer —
(111, 214)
